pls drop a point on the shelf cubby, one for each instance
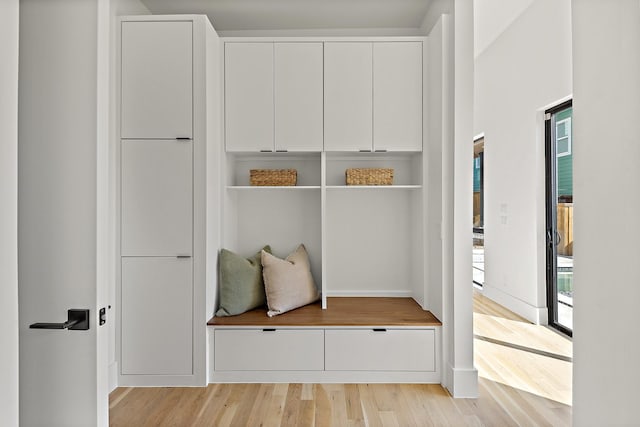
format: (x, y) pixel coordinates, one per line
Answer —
(306, 164)
(407, 168)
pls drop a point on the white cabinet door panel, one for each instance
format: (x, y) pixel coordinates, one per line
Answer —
(157, 316)
(248, 97)
(397, 96)
(157, 197)
(157, 80)
(389, 350)
(298, 96)
(347, 96)
(274, 350)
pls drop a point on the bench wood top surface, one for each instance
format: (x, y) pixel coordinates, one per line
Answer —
(341, 311)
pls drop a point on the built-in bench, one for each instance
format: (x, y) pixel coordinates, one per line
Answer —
(352, 340)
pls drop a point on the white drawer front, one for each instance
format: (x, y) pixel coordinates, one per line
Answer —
(387, 350)
(272, 350)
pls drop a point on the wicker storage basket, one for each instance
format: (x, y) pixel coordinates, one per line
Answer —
(369, 176)
(273, 177)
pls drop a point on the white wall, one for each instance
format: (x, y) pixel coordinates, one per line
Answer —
(9, 17)
(492, 18)
(524, 70)
(606, 371)
(437, 8)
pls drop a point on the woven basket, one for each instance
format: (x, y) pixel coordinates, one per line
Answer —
(273, 177)
(369, 176)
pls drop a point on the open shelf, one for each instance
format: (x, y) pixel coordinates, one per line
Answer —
(282, 187)
(374, 187)
(407, 168)
(307, 166)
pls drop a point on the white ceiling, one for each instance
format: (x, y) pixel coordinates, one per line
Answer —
(248, 15)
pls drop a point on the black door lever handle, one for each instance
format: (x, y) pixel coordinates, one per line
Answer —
(77, 320)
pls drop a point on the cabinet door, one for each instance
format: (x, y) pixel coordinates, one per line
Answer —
(157, 197)
(156, 80)
(248, 77)
(397, 96)
(157, 316)
(347, 96)
(298, 96)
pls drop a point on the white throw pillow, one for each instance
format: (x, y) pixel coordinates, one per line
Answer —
(288, 282)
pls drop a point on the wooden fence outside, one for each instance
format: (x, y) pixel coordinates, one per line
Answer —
(565, 228)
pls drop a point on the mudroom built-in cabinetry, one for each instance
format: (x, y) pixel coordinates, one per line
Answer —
(196, 115)
(322, 106)
(163, 219)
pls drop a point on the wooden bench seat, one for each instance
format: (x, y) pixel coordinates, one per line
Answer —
(340, 312)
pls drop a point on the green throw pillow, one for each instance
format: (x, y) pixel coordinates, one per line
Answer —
(241, 285)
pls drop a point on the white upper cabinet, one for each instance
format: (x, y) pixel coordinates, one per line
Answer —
(397, 96)
(157, 197)
(249, 96)
(298, 96)
(373, 96)
(348, 100)
(273, 96)
(157, 86)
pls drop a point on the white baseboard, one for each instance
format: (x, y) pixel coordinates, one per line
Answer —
(462, 383)
(395, 294)
(325, 377)
(113, 376)
(537, 315)
(160, 381)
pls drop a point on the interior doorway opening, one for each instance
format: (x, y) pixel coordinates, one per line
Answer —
(478, 211)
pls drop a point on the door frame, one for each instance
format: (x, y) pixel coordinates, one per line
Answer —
(551, 254)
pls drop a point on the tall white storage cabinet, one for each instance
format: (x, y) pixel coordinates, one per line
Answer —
(168, 90)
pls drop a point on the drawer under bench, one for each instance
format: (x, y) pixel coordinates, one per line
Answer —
(324, 351)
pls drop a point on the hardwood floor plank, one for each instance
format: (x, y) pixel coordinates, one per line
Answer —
(369, 407)
(338, 404)
(307, 413)
(323, 407)
(308, 392)
(353, 404)
(291, 409)
(276, 405)
(212, 412)
(261, 405)
(413, 393)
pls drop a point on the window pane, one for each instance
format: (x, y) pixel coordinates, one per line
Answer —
(563, 145)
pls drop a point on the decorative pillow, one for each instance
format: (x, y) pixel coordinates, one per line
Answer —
(241, 285)
(288, 282)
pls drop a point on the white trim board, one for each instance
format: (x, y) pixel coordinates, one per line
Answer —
(537, 315)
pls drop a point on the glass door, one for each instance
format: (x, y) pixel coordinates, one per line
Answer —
(559, 216)
(478, 211)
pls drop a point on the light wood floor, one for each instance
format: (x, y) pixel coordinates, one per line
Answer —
(522, 382)
(510, 350)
